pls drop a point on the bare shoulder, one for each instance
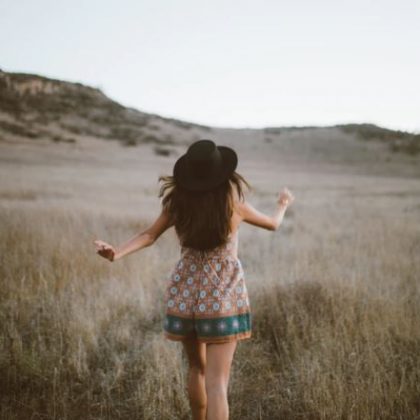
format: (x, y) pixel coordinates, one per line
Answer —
(240, 208)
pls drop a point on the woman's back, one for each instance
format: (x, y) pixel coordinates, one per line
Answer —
(230, 248)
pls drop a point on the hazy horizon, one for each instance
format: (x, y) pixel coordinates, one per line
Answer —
(258, 65)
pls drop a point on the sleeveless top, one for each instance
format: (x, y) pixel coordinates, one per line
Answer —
(226, 250)
(207, 295)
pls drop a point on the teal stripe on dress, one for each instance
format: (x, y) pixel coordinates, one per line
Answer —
(218, 327)
(178, 325)
(210, 327)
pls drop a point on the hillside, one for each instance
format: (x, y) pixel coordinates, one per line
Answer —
(37, 107)
(43, 110)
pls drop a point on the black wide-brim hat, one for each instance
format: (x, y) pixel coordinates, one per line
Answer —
(205, 166)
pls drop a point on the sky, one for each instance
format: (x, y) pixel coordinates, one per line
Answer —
(229, 63)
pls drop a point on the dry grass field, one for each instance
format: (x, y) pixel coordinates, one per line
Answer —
(335, 292)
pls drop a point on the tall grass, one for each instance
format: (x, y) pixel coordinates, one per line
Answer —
(336, 315)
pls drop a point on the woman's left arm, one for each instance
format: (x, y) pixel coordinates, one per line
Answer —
(137, 242)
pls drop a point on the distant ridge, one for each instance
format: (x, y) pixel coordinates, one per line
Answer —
(398, 141)
(34, 106)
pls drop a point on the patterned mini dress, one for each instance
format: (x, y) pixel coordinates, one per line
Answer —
(206, 296)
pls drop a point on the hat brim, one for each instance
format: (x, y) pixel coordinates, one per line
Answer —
(186, 180)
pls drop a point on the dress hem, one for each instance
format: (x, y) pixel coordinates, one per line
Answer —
(209, 340)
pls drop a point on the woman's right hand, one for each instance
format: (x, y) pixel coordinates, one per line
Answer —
(285, 197)
(104, 249)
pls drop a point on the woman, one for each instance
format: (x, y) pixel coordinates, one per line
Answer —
(206, 299)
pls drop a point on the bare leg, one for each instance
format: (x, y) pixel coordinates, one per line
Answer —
(219, 360)
(196, 353)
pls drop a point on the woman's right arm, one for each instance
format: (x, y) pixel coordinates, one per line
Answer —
(254, 217)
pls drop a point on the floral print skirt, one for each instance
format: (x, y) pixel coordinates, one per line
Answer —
(206, 297)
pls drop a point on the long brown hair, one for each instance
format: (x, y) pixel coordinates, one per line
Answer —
(202, 218)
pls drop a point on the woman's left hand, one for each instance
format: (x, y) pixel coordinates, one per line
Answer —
(285, 197)
(105, 250)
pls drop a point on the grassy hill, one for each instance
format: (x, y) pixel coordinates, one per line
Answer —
(36, 107)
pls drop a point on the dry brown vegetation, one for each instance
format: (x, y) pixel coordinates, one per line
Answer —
(334, 292)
